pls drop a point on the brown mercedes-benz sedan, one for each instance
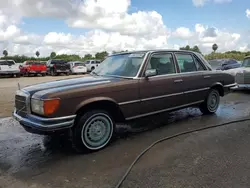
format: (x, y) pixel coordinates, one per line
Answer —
(123, 87)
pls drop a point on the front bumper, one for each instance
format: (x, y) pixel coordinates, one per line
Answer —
(229, 88)
(242, 86)
(39, 125)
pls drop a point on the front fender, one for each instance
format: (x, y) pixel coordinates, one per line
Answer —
(93, 100)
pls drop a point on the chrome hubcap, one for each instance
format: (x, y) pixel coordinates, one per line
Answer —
(97, 131)
(213, 101)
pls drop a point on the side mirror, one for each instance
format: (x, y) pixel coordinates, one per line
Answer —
(150, 72)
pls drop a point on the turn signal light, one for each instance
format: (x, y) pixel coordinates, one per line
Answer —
(50, 106)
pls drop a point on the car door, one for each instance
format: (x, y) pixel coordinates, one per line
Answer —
(192, 76)
(160, 92)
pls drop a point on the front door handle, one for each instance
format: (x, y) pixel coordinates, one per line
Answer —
(207, 77)
(178, 81)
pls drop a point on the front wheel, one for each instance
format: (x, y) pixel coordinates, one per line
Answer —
(212, 102)
(92, 131)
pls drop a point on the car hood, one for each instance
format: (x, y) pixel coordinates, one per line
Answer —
(236, 70)
(66, 84)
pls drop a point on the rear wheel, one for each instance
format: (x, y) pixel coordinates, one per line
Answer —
(212, 102)
(93, 131)
(43, 74)
(52, 72)
(92, 68)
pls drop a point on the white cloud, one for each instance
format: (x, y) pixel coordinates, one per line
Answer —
(182, 33)
(248, 13)
(200, 3)
(205, 37)
(110, 26)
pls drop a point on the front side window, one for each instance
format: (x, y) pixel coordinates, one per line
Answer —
(163, 63)
(186, 63)
(121, 65)
(199, 65)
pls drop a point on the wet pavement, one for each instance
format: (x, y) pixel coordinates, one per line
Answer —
(212, 158)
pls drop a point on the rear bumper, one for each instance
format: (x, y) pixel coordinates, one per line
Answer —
(36, 72)
(39, 125)
(9, 72)
(62, 71)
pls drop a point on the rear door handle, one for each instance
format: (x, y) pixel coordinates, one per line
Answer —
(207, 77)
(178, 81)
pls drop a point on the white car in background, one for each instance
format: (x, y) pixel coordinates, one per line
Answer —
(9, 67)
(92, 64)
(77, 67)
(242, 74)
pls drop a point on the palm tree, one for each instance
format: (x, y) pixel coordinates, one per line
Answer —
(215, 47)
(53, 55)
(5, 53)
(37, 54)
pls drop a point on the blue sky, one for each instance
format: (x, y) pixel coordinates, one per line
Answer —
(96, 25)
(175, 13)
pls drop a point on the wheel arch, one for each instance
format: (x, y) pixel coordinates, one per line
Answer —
(219, 87)
(102, 103)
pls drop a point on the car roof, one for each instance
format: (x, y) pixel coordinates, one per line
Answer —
(152, 51)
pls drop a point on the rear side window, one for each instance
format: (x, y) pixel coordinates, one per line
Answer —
(92, 62)
(186, 62)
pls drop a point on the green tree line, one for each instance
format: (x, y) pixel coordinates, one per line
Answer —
(237, 55)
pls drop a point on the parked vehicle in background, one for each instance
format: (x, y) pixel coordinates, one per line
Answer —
(9, 67)
(92, 64)
(242, 74)
(33, 68)
(123, 87)
(77, 67)
(57, 66)
(224, 64)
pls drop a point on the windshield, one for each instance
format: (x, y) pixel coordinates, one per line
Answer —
(246, 63)
(122, 65)
(79, 64)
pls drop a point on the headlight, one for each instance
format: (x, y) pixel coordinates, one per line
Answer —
(37, 106)
(44, 107)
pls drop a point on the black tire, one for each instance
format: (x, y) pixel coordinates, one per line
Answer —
(52, 72)
(18, 75)
(43, 74)
(92, 68)
(90, 124)
(211, 103)
(67, 73)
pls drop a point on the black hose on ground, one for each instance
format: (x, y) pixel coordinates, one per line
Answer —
(168, 138)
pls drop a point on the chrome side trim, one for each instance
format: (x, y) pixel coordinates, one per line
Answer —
(164, 110)
(230, 85)
(162, 96)
(129, 102)
(196, 90)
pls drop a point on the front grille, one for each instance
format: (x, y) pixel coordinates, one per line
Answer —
(20, 104)
(239, 78)
(247, 78)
